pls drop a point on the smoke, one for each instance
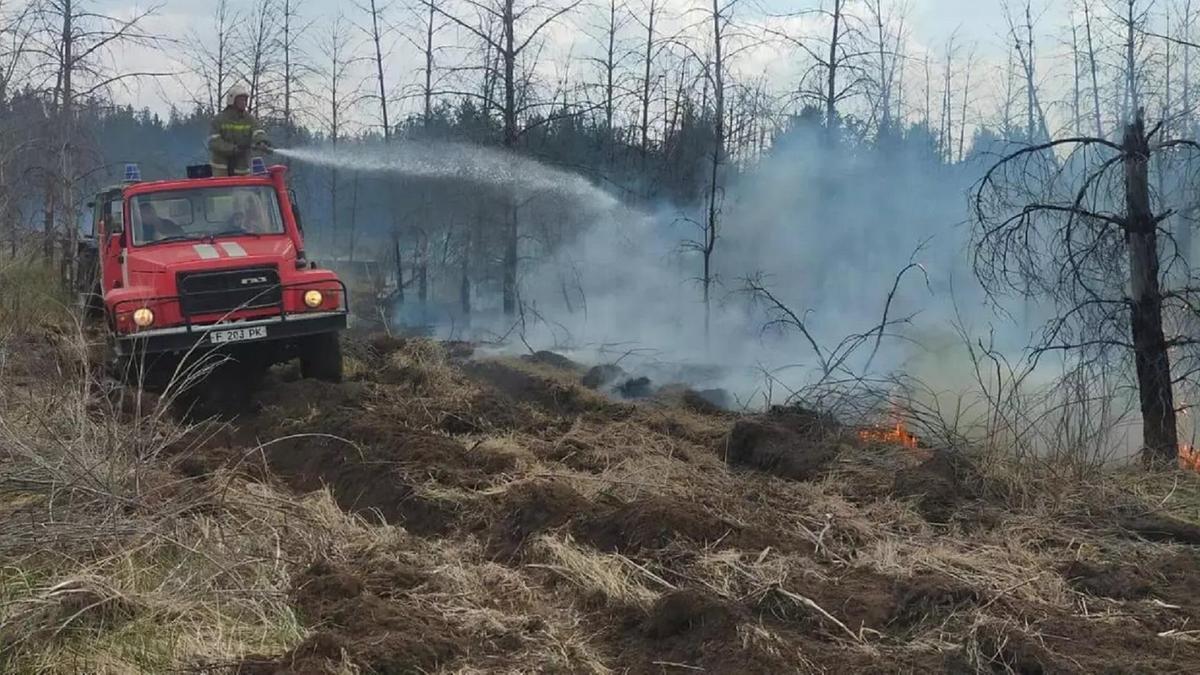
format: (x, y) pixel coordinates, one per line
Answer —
(826, 231)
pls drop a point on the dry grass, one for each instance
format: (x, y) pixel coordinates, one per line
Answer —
(31, 295)
(113, 564)
(112, 561)
(612, 579)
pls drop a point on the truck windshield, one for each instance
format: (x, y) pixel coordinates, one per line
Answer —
(204, 213)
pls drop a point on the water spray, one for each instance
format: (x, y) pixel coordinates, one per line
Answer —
(459, 161)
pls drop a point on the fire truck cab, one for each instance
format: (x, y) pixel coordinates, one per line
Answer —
(195, 265)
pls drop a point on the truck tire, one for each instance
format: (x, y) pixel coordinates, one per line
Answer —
(321, 357)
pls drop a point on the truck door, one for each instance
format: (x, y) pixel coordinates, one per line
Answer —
(111, 235)
(87, 279)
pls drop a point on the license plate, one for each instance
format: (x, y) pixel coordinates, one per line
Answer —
(220, 337)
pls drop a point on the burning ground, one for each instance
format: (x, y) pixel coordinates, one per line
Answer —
(441, 512)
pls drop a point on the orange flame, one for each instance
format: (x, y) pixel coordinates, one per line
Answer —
(1189, 458)
(897, 435)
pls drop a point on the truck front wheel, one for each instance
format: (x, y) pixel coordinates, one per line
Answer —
(321, 357)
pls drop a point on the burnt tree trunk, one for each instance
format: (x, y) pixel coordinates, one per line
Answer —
(1160, 441)
(831, 76)
(511, 229)
(422, 266)
(399, 260)
(511, 239)
(464, 286)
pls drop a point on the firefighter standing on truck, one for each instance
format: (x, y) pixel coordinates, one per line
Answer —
(234, 134)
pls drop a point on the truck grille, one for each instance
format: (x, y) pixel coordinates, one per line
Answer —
(228, 290)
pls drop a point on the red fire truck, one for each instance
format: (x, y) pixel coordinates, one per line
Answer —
(190, 266)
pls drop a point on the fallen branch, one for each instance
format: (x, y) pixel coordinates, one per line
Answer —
(671, 664)
(1010, 589)
(811, 604)
(650, 575)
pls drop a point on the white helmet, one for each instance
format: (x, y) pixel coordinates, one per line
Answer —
(234, 92)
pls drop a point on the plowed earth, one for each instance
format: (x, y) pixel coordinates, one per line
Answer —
(546, 527)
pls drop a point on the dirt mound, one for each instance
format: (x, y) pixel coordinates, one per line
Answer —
(937, 484)
(1180, 578)
(635, 387)
(1116, 581)
(301, 399)
(489, 411)
(930, 597)
(1073, 644)
(602, 375)
(384, 345)
(373, 633)
(385, 480)
(858, 599)
(657, 522)
(691, 630)
(707, 401)
(785, 445)
(1173, 579)
(555, 395)
(553, 360)
(530, 509)
(320, 589)
(1160, 528)
(690, 611)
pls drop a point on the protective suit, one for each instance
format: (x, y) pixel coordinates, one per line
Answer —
(234, 134)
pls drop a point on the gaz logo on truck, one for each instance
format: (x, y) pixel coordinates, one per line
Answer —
(249, 281)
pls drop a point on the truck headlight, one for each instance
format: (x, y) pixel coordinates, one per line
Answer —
(143, 317)
(313, 298)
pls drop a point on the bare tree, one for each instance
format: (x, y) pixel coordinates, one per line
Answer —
(651, 48)
(1133, 20)
(339, 96)
(259, 51)
(16, 33)
(424, 38)
(966, 101)
(946, 126)
(295, 64)
(1022, 35)
(214, 55)
(1076, 78)
(888, 33)
(520, 25)
(1098, 257)
(378, 32)
(77, 44)
(1185, 33)
(720, 20)
(1093, 68)
(612, 55)
(718, 17)
(834, 56)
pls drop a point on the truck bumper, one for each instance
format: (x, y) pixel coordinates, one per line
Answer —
(216, 336)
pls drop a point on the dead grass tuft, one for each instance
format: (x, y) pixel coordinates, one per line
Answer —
(603, 579)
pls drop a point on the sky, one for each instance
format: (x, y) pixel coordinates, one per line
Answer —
(977, 24)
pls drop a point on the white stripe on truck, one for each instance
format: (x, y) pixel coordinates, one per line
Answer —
(233, 249)
(206, 251)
